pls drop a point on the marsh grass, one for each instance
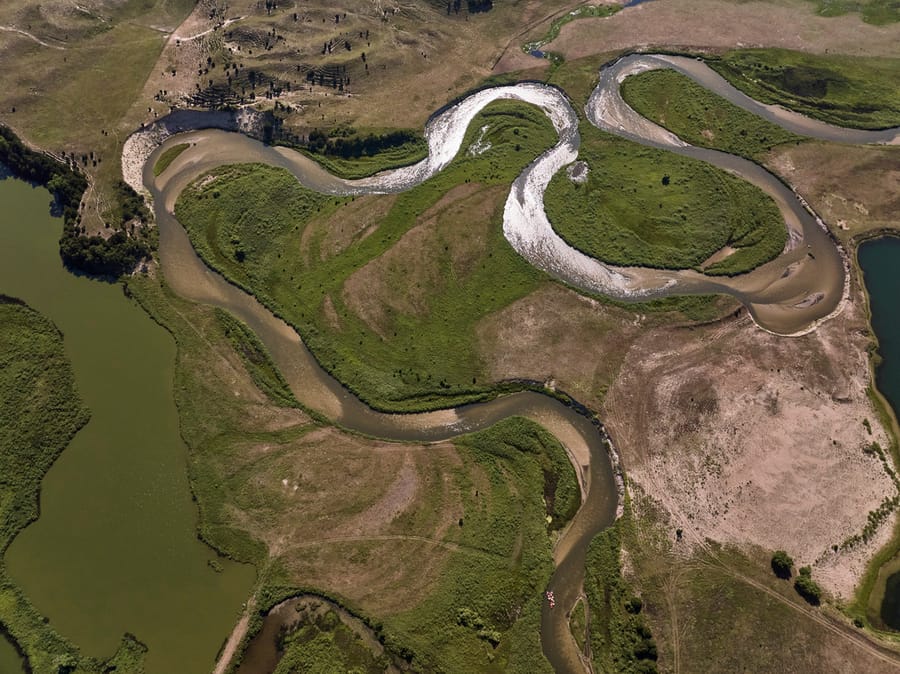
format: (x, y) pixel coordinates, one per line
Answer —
(647, 207)
(854, 91)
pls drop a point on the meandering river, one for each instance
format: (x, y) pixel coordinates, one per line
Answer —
(789, 295)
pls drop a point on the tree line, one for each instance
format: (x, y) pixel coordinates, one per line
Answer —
(349, 145)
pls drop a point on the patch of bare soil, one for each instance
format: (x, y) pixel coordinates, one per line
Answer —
(445, 243)
(724, 24)
(748, 438)
(853, 188)
(558, 335)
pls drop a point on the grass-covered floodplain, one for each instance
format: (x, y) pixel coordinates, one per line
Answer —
(297, 251)
(853, 91)
(700, 117)
(877, 12)
(648, 207)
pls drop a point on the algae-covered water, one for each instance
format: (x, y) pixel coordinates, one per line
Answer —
(115, 549)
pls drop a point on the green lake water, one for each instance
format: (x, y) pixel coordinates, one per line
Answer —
(115, 548)
(10, 662)
(880, 262)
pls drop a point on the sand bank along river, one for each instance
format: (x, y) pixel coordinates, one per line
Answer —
(115, 548)
(789, 295)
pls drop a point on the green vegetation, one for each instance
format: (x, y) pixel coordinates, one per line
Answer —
(167, 157)
(113, 256)
(40, 412)
(782, 564)
(249, 223)
(486, 607)
(320, 643)
(848, 91)
(350, 153)
(578, 624)
(648, 207)
(699, 116)
(808, 588)
(256, 359)
(878, 12)
(621, 640)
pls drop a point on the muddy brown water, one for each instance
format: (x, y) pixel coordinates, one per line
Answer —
(804, 285)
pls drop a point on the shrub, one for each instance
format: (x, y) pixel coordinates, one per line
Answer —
(781, 564)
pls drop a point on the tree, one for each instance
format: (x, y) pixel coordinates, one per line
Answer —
(781, 564)
(808, 588)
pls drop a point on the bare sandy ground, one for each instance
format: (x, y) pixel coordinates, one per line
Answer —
(720, 24)
(752, 439)
(854, 188)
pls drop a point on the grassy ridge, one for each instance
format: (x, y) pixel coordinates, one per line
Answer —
(848, 91)
(382, 156)
(40, 412)
(256, 359)
(699, 116)
(642, 206)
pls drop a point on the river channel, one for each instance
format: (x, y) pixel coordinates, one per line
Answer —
(789, 295)
(115, 548)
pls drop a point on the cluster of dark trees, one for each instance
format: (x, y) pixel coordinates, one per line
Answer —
(92, 255)
(474, 6)
(806, 587)
(345, 143)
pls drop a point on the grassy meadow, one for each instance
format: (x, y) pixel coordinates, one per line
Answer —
(853, 91)
(648, 207)
(699, 116)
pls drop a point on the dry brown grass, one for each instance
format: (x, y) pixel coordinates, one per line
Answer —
(753, 439)
(726, 24)
(556, 334)
(854, 189)
(451, 233)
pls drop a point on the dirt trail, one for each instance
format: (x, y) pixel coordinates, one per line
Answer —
(35, 38)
